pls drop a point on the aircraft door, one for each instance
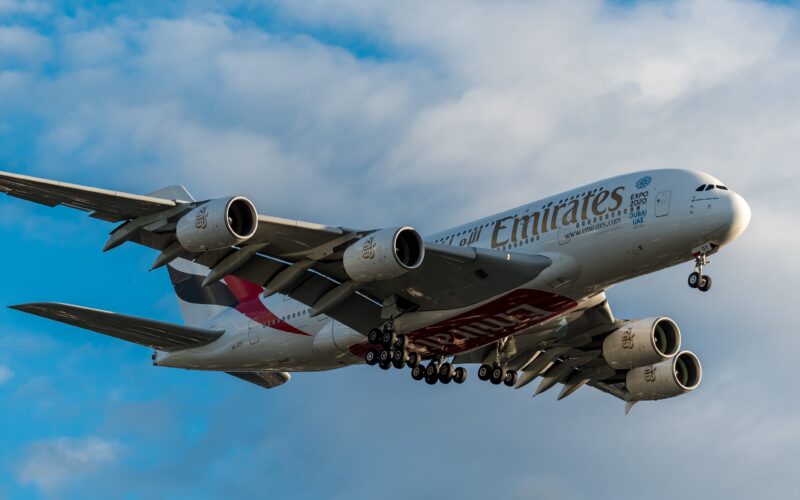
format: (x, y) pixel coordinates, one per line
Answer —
(253, 333)
(662, 203)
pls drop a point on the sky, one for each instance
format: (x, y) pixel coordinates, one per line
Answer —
(376, 114)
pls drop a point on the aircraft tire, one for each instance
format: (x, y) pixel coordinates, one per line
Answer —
(460, 375)
(399, 359)
(374, 336)
(446, 373)
(485, 372)
(371, 357)
(414, 359)
(498, 375)
(694, 280)
(418, 372)
(388, 338)
(510, 379)
(705, 284)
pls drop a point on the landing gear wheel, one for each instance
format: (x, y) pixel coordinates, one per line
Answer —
(418, 372)
(510, 379)
(371, 357)
(388, 338)
(446, 372)
(431, 380)
(485, 372)
(705, 284)
(498, 375)
(374, 336)
(432, 370)
(401, 343)
(385, 357)
(385, 366)
(460, 375)
(399, 359)
(694, 280)
(414, 359)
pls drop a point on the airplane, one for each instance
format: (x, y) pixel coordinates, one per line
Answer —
(520, 294)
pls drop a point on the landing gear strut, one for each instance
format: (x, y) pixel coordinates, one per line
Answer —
(697, 279)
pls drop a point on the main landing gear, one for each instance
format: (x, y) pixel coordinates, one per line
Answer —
(497, 374)
(697, 279)
(395, 352)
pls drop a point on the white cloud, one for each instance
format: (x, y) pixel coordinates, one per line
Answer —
(5, 374)
(31, 7)
(23, 45)
(51, 464)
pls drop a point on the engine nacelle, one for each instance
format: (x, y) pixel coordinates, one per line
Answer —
(384, 254)
(218, 224)
(667, 379)
(643, 342)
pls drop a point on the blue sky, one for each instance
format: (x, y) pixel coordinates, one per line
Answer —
(370, 114)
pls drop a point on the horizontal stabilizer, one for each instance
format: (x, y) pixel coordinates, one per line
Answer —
(267, 380)
(147, 332)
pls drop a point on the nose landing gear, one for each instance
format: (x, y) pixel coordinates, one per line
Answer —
(697, 279)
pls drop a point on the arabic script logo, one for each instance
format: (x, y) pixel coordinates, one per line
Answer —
(368, 251)
(643, 182)
(201, 218)
(627, 339)
(650, 374)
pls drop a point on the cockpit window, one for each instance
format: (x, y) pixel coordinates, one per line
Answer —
(721, 187)
(701, 188)
(709, 187)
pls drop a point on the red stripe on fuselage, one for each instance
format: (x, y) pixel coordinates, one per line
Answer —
(510, 314)
(248, 295)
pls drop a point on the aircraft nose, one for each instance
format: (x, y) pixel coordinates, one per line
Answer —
(737, 218)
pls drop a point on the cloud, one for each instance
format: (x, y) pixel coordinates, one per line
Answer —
(22, 46)
(5, 374)
(30, 7)
(50, 464)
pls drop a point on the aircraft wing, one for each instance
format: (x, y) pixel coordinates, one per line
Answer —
(106, 205)
(146, 332)
(305, 257)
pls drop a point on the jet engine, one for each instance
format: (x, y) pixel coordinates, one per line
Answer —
(384, 254)
(218, 224)
(642, 342)
(667, 379)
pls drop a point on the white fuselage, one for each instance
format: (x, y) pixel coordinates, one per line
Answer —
(596, 236)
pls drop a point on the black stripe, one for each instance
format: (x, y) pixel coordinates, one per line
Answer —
(189, 288)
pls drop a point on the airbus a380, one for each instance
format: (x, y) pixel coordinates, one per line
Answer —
(520, 294)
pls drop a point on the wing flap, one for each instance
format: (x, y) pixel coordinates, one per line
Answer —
(146, 332)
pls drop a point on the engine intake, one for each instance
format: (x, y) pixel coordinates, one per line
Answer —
(218, 224)
(384, 254)
(667, 379)
(643, 342)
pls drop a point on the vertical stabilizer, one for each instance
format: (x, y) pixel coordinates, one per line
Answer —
(198, 303)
